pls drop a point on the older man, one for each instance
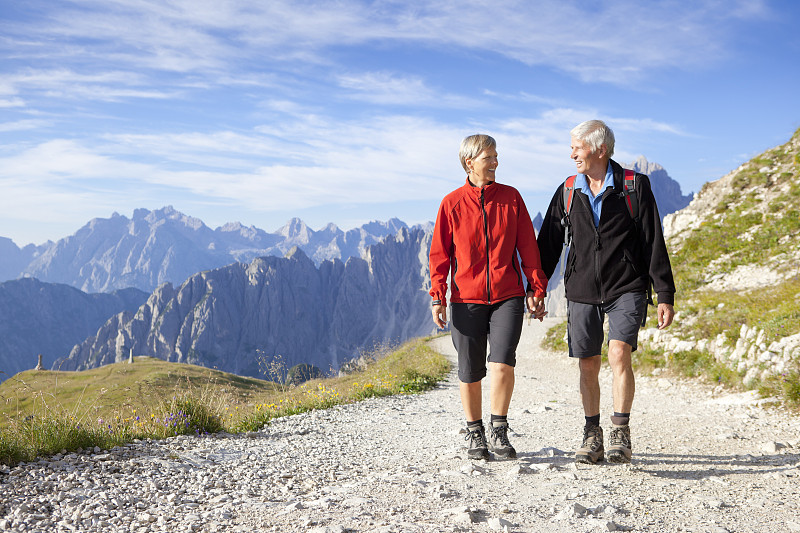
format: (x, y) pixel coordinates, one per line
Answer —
(617, 251)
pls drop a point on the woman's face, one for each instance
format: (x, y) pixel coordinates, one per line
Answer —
(482, 167)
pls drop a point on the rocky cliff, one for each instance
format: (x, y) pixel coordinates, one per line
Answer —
(48, 319)
(234, 317)
(154, 247)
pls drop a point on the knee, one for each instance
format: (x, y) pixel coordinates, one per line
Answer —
(501, 369)
(589, 366)
(619, 354)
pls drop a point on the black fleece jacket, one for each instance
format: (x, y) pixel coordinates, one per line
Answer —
(614, 258)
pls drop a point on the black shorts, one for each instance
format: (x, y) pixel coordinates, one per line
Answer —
(585, 323)
(473, 324)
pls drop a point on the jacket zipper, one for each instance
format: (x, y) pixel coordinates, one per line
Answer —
(486, 235)
(597, 248)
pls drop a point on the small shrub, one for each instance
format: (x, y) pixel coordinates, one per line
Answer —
(554, 337)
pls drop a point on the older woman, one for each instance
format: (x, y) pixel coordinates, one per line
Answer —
(480, 230)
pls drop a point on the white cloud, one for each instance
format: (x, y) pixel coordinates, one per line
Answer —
(22, 125)
(389, 89)
(12, 102)
(328, 162)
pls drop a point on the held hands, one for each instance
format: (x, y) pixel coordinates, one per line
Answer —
(535, 306)
(439, 315)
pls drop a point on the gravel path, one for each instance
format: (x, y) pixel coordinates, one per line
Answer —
(704, 461)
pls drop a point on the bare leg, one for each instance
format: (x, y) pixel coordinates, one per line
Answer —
(471, 400)
(502, 386)
(624, 386)
(590, 384)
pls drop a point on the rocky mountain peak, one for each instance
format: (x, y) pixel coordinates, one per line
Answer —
(296, 230)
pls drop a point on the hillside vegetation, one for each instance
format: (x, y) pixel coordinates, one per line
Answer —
(735, 253)
(45, 412)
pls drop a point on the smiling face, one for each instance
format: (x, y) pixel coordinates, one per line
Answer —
(594, 164)
(482, 167)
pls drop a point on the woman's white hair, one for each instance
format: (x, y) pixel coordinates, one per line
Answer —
(595, 133)
(472, 146)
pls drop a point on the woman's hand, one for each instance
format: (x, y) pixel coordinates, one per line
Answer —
(439, 316)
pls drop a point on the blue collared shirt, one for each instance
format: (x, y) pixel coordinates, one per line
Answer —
(596, 202)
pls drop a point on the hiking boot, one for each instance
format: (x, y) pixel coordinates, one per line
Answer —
(591, 450)
(477, 443)
(498, 441)
(619, 449)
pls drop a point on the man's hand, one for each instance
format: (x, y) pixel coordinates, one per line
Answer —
(665, 315)
(439, 316)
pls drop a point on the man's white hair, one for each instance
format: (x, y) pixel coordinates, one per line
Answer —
(595, 133)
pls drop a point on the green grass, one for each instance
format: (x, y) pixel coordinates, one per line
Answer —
(554, 338)
(46, 412)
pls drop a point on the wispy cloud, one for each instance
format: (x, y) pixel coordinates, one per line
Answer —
(22, 125)
(589, 41)
(387, 89)
(286, 105)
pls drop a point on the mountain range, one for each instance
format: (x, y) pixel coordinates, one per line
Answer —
(154, 247)
(238, 317)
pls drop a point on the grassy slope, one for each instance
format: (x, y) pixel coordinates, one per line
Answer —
(116, 388)
(44, 412)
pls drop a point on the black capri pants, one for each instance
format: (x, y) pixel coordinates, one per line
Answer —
(473, 324)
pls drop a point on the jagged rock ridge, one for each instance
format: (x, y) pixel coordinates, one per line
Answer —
(229, 317)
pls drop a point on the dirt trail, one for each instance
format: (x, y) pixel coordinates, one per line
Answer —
(703, 462)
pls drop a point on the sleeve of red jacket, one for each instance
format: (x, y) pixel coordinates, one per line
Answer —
(529, 252)
(440, 254)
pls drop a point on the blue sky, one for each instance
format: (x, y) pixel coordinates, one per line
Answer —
(345, 112)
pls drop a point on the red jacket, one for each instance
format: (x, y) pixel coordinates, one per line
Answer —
(478, 233)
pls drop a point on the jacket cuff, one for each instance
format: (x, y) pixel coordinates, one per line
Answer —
(437, 298)
(666, 298)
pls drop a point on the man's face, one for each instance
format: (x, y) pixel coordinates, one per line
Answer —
(587, 162)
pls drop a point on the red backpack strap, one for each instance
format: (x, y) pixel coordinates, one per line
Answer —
(568, 195)
(631, 194)
(569, 190)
